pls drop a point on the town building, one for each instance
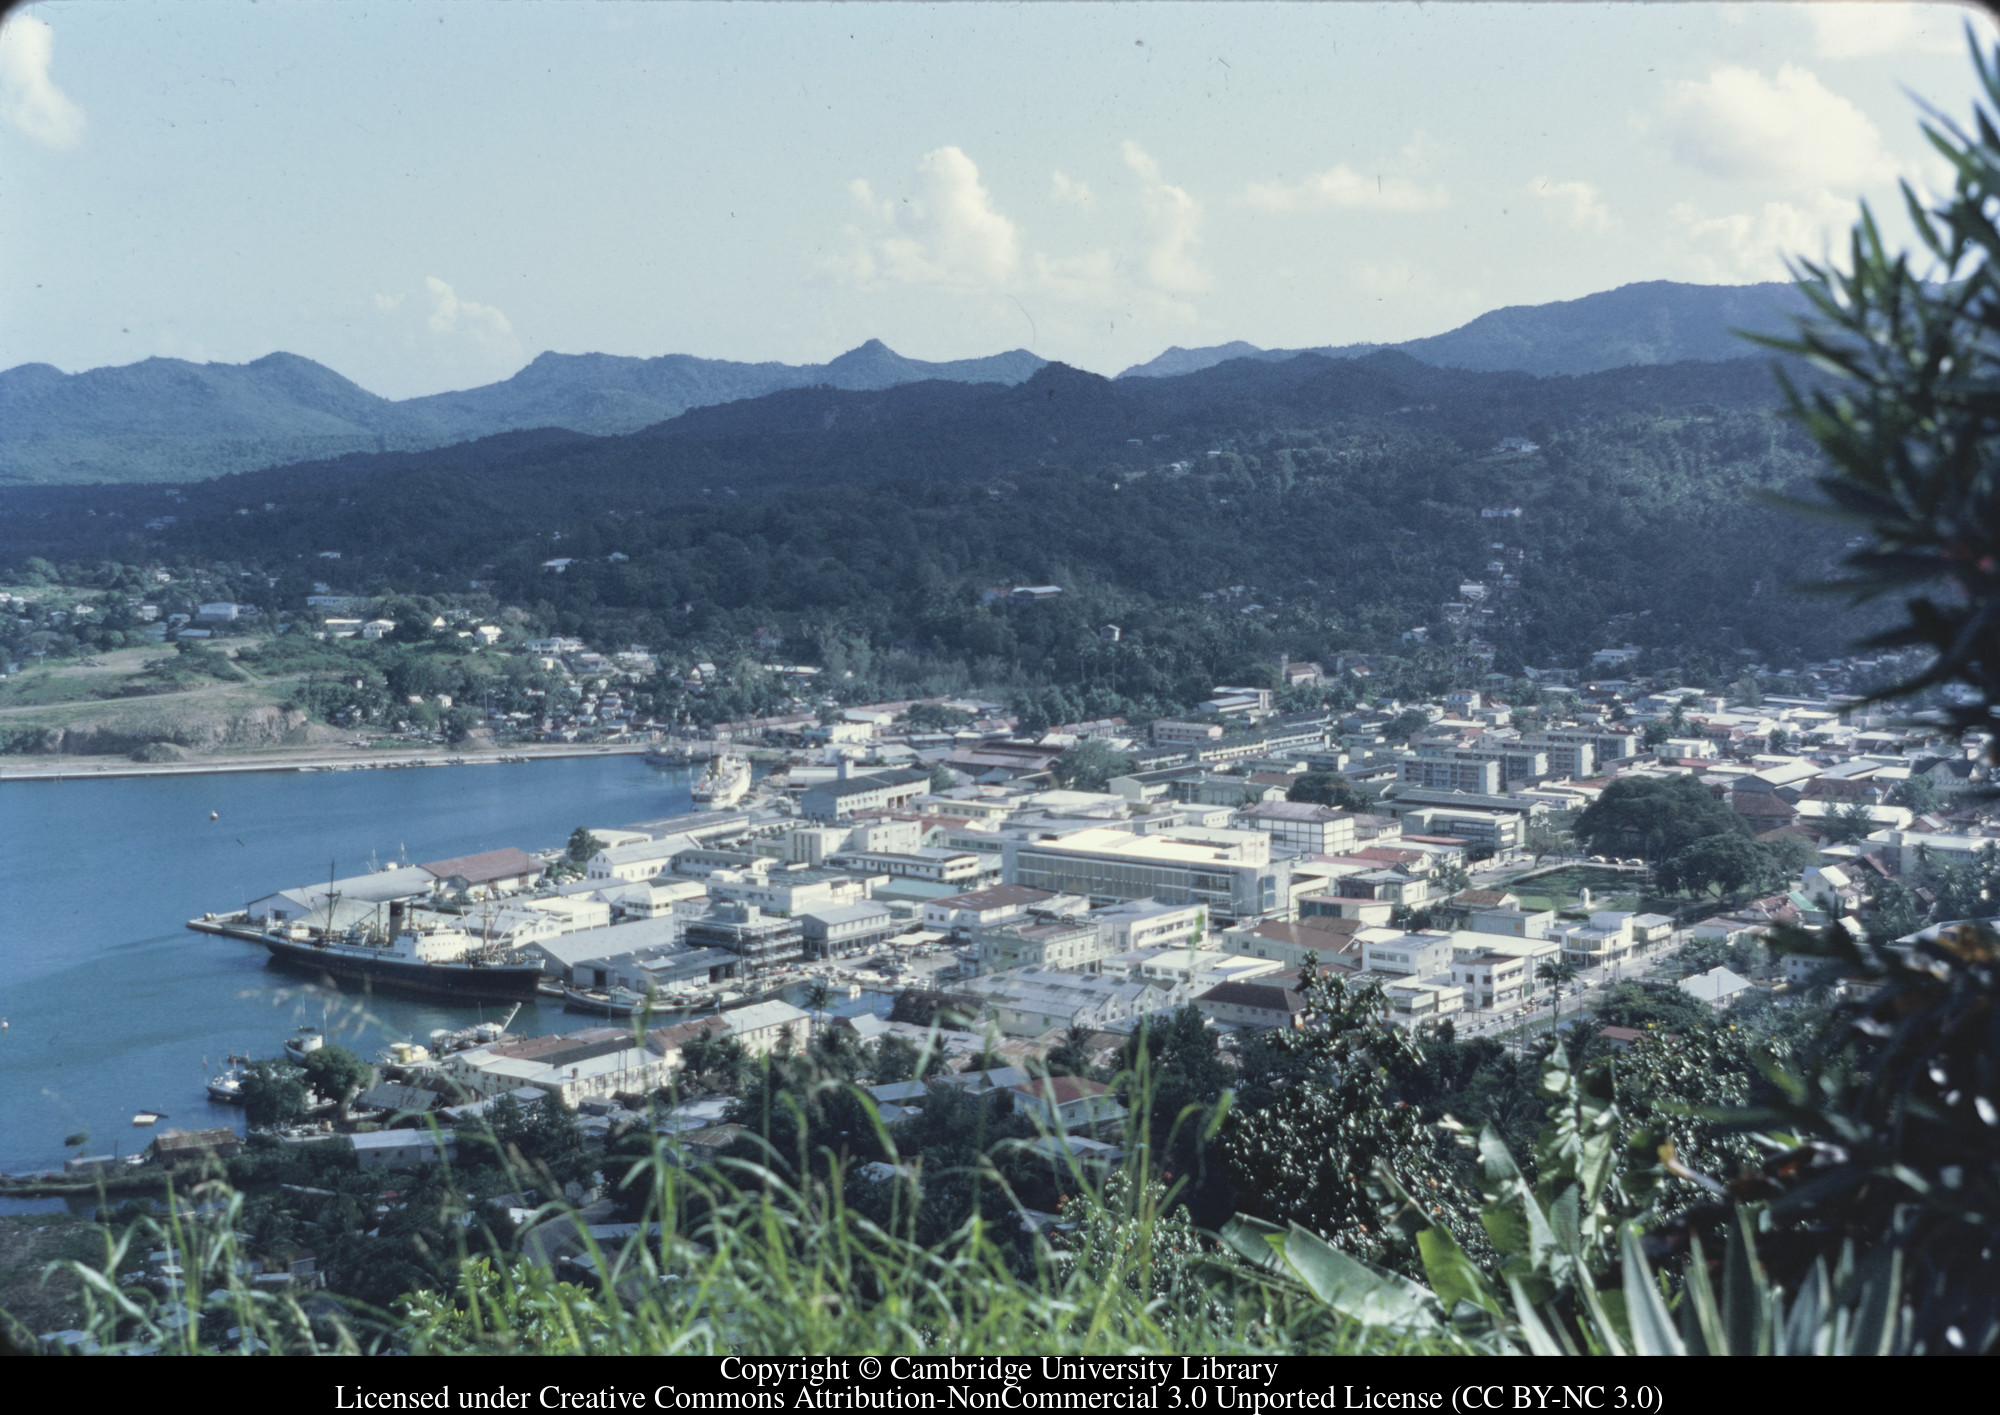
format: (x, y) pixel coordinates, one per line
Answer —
(1230, 871)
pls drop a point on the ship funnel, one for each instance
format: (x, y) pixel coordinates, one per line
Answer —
(395, 918)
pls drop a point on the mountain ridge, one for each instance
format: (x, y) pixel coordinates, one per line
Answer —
(1651, 322)
(163, 419)
(166, 420)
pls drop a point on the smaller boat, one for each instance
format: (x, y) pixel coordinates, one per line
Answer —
(612, 1002)
(400, 1057)
(149, 1117)
(303, 1043)
(226, 1088)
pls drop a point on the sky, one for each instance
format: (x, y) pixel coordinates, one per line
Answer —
(426, 196)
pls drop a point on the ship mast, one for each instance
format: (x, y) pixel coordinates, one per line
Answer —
(332, 898)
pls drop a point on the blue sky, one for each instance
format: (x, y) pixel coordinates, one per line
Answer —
(426, 196)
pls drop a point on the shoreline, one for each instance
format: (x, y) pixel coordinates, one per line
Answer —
(315, 759)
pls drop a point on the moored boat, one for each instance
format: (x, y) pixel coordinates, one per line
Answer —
(723, 784)
(226, 1087)
(431, 962)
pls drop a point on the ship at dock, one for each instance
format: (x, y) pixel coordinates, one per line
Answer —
(428, 961)
(726, 782)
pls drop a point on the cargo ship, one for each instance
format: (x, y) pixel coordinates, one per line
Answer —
(431, 962)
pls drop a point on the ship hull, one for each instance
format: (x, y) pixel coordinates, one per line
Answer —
(480, 982)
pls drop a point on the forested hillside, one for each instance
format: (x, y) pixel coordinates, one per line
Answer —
(1219, 519)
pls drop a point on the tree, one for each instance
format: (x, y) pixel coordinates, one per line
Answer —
(274, 1092)
(1555, 972)
(1655, 819)
(1725, 862)
(1405, 725)
(717, 1061)
(457, 723)
(337, 1074)
(1328, 788)
(1070, 1056)
(818, 998)
(1849, 822)
(895, 1059)
(582, 846)
(1089, 766)
(1552, 834)
(1917, 793)
(1333, 1131)
(1660, 1006)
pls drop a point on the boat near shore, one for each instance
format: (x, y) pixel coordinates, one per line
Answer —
(226, 1086)
(428, 962)
(726, 782)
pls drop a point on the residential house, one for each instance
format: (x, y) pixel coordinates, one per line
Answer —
(1070, 1104)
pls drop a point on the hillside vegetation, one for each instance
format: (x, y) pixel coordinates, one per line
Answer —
(1221, 518)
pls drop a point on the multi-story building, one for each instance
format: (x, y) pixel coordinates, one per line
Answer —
(1606, 938)
(1442, 773)
(1230, 871)
(1147, 923)
(789, 889)
(966, 914)
(1424, 1002)
(1171, 730)
(1573, 758)
(1042, 941)
(1485, 832)
(1497, 973)
(1518, 760)
(1413, 955)
(953, 867)
(1300, 827)
(842, 929)
(759, 939)
(1606, 746)
(884, 790)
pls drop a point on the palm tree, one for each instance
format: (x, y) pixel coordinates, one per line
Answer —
(819, 997)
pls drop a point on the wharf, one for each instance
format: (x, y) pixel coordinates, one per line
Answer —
(87, 769)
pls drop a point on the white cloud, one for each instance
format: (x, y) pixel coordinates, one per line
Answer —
(1173, 220)
(948, 232)
(386, 303)
(1070, 193)
(30, 103)
(1577, 204)
(1342, 187)
(1857, 31)
(1755, 245)
(450, 315)
(1790, 131)
(949, 235)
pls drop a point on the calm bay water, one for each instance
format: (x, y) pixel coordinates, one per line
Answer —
(112, 1006)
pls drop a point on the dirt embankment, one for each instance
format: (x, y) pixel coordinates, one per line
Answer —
(198, 730)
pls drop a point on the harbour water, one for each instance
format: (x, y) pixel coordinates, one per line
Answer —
(113, 1007)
